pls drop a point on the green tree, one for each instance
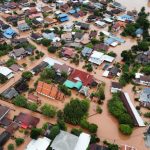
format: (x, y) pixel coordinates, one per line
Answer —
(146, 70)
(27, 75)
(99, 109)
(48, 73)
(32, 106)
(55, 130)
(129, 30)
(76, 131)
(94, 139)
(48, 110)
(93, 128)
(113, 147)
(84, 124)
(60, 114)
(75, 111)
(20, 101)
(143, 45)
(125, 129)
(46, 42)
(10, 62)
(127, 56)
(52, 49)
(35, 133)
(3, 79)
(19, 141)
(61, 125)
(64, 89)
(5, 49)
(10, 147)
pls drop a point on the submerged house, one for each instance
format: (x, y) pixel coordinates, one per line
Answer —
(50, 91)
(6, 72)
(23, 26)
(9, 33)
(145, 97)
(68, 141)
(78, 78)
(63, 17)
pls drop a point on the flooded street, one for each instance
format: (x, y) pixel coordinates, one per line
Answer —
(135, 4)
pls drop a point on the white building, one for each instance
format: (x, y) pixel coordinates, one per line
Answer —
(68, 141)
(6, 72)
(98, 58)
(83, 142)
(39, 144)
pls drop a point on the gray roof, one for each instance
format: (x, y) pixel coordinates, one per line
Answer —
(86, 51)
(116, 85)
(10, 93)
(18, 52)
(145, 95)
(64, 141)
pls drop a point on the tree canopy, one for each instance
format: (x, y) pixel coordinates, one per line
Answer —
(75, 111)
(3, 79)
(35, 133)
(27, 75)
(117, 109)
(48, 110)
(20, 101)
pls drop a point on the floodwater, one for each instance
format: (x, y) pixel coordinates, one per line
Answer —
(135, 4)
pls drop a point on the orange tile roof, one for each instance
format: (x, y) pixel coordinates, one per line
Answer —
(53, 92)
(49, 90)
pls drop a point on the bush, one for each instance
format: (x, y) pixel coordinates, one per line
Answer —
(84, 124)
(62, 125)
(55, 130)
(19, 141)
(125, 129)
(45, 42)
(10, 147)
(76, 131)
(99, 109)
(60, 114)
(10, 62)
(27, 75)
(48, 110)
(35, 133)
(65, 90)
(147, 115)
(94, 139)
(93, 128)
(45, 126)
(3, 79)
(32, 106)
(20, 101)
(52, 49)
(112, 54)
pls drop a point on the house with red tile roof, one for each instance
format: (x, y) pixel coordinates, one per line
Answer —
(68, 52)
(26, 120)
(84, 77)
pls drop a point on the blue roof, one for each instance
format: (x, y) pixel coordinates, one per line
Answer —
(64, 19)
(139, 31)
(72, 11)
(109, 41)
(8, 33)
(118, 39)
(62, 15)
(127, 17)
